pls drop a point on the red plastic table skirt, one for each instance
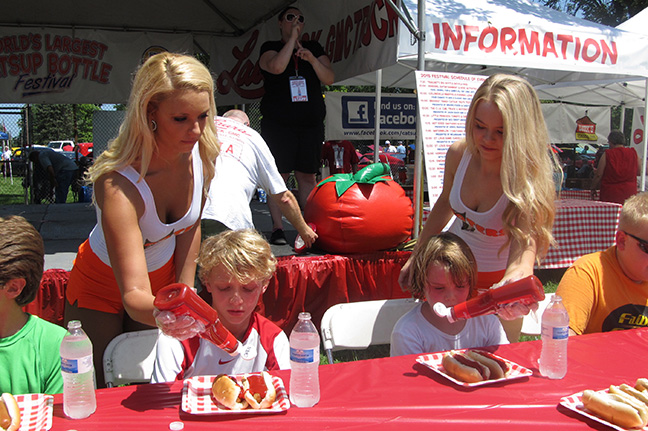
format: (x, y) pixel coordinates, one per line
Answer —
(315, 283)
(301, 283)
(397, 393)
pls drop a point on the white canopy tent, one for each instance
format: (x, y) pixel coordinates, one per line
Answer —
(361, 37)
(547, 47)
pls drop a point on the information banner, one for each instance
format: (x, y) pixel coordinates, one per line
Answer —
(443, 99)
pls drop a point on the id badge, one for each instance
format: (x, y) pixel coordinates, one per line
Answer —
(298, 91)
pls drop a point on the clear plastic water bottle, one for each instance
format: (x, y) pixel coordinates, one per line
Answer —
(304, 363)
(555, 336)
(78, 373)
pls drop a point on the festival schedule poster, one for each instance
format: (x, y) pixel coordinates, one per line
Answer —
(443, 100)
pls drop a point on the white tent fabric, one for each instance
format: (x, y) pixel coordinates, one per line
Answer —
(361, 36)
(630, 93)
(487, 37)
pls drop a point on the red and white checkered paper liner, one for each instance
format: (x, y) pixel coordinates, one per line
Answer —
(434, 362)
(35, 411)
(575, 404)
(197, 398)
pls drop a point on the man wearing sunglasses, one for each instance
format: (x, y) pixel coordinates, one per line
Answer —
(608, 290)
(293, 107)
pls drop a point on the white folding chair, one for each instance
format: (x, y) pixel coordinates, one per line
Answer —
(358, 325)
(129, 358)
(532, 322)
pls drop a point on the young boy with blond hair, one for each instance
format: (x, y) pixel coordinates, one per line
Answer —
(235, 268)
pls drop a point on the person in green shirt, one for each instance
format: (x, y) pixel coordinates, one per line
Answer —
(29, 346)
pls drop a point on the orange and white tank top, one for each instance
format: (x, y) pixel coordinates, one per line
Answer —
(482, 231)
(158, 238)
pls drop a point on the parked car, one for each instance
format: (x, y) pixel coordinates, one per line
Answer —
(60, 146)
(85, 148)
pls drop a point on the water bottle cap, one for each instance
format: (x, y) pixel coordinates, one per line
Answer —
(73, 324)
(176, 426)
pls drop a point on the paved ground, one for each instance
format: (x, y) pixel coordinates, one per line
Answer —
(65, 227)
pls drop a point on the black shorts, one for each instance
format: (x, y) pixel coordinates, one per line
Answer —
(294, 149)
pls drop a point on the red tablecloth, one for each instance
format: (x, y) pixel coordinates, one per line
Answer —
(314, 283)
(397, 393)
(581, 227)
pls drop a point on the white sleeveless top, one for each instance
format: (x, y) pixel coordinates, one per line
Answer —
(482, 231)
(158, 239)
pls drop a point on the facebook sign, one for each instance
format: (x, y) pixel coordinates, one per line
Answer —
(353, 116)
(357, 111)
(395, 112)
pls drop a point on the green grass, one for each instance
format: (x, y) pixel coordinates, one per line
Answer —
(382, 351)
(11, 194)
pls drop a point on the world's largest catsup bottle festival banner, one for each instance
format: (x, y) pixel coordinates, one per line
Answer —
(80, 66)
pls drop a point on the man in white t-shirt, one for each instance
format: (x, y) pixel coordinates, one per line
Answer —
(245, 162)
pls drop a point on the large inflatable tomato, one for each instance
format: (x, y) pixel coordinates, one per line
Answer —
(360, 213)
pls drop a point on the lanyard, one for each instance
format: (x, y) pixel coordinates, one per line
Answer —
(296, 61)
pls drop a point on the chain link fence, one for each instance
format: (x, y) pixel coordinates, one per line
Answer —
(25, 182)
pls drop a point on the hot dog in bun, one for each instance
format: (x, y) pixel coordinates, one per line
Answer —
(642, 384)
(230, 392)
(498, 368)
(627, 389)
(619, 409)
(261, 393)
(474, 366)
(9, 413)
(238, 393)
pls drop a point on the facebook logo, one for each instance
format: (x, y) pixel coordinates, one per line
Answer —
(357, 111)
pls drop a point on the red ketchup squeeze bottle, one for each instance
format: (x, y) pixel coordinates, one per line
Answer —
(527, 291)
(181, 299)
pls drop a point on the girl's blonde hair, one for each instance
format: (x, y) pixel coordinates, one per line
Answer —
(527, 160)
(245, 254)
(445, 249)
(155, 80)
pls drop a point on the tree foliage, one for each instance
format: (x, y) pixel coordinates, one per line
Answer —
(611, 12)
(61, 122)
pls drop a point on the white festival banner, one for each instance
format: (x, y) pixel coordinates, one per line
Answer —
(443, 99)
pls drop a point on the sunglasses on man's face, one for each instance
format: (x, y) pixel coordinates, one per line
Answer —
(290, 17)
(643, 244)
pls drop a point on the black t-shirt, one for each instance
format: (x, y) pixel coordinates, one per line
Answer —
(277, 104)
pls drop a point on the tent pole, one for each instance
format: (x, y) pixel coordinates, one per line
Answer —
(645, 141)
(377, 119)
(418, 150)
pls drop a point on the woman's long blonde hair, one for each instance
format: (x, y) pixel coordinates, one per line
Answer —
(527, 160)
(160, 75)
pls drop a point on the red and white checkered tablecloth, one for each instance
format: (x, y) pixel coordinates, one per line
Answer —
(581, 227)
(585, 195)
